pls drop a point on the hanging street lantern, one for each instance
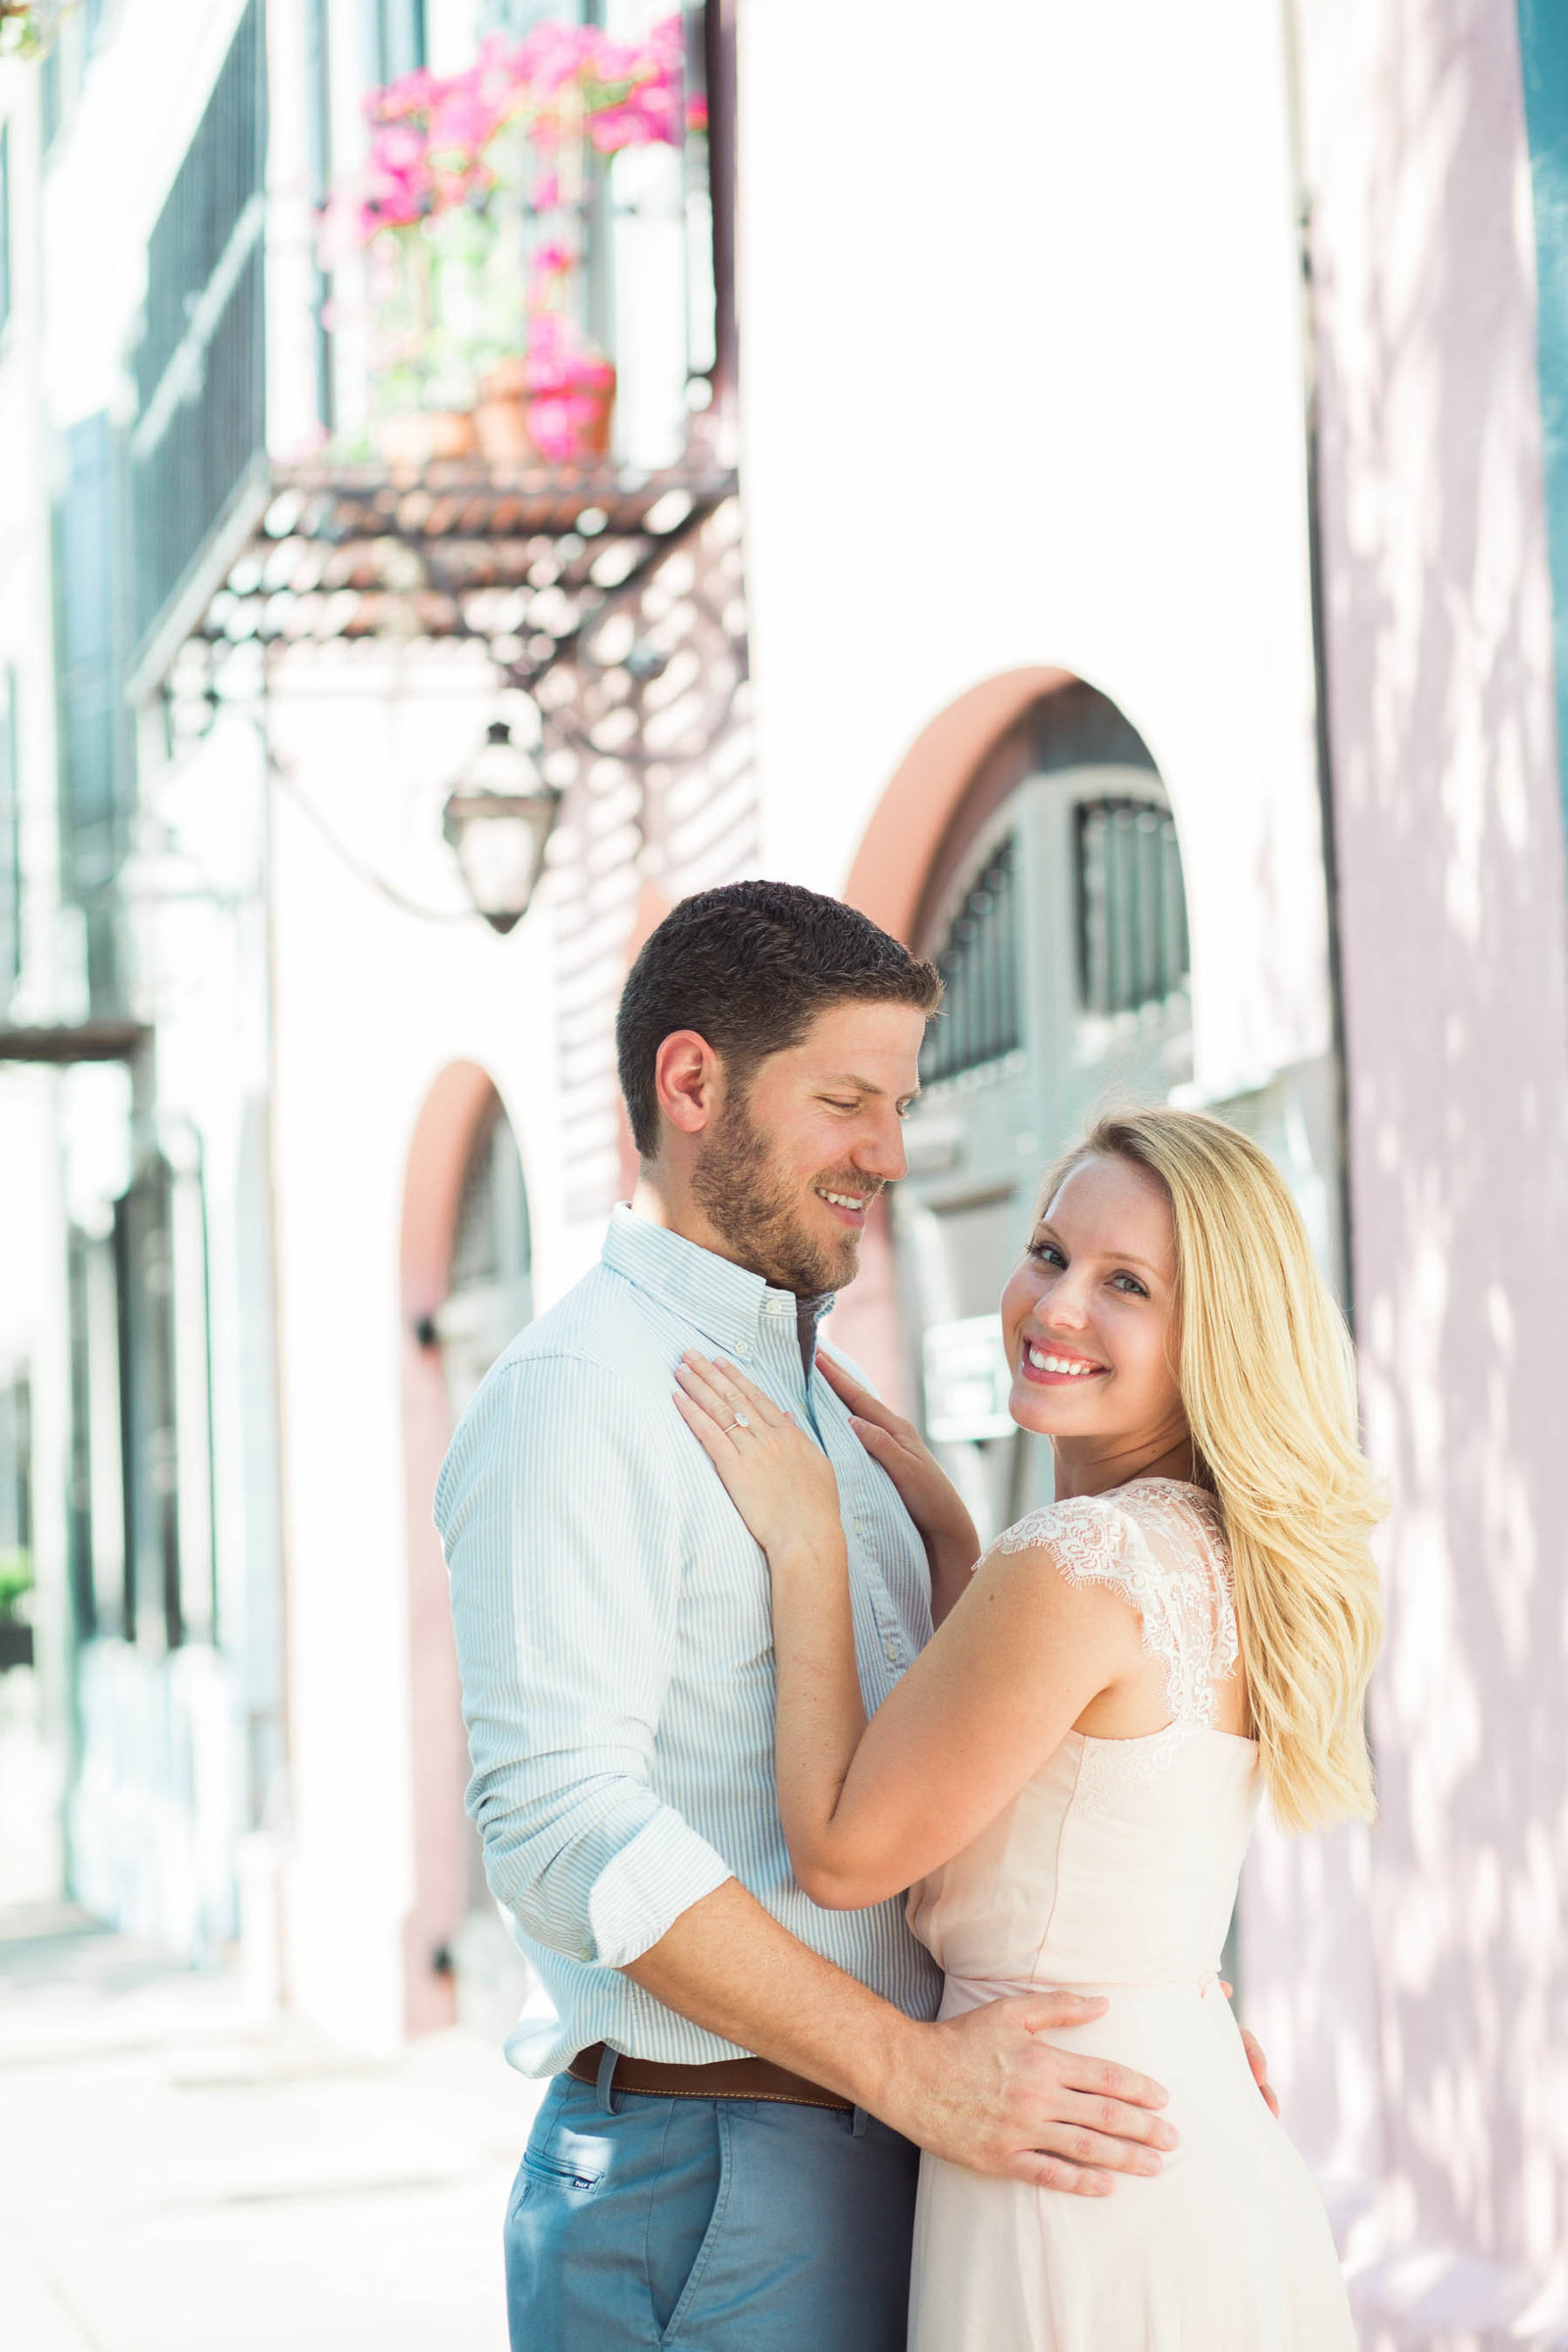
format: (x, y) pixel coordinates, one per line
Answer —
(498, 817)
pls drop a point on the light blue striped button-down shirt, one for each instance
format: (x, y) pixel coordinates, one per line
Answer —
(616, 1639)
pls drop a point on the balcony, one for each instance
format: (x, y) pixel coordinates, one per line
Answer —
(524, 300)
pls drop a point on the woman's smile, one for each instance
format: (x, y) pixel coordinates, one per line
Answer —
(1050, 1365)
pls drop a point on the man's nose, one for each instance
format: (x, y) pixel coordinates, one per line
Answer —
(880, 1151)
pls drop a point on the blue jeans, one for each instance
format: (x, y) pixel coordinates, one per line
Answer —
(708, 2225)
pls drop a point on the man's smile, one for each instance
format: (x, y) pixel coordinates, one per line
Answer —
(849, 1208)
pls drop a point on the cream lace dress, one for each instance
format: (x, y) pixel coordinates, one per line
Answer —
(1114, 1871)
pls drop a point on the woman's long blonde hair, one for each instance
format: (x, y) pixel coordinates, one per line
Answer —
(1267, 1377)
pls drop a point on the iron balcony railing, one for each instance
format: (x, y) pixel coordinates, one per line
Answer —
(200, 365)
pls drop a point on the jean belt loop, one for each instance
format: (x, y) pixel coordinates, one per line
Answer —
(857, 2124)
(607, 2077)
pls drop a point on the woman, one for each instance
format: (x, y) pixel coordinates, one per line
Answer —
(1066, 1778)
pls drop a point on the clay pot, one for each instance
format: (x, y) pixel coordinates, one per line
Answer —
(418, 437)
(502, 428)
(501, 417)
(508, 380)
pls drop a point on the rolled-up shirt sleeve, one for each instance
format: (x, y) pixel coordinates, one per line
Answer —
(563, 1543)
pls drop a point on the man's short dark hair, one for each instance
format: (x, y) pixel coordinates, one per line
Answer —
(750, 967)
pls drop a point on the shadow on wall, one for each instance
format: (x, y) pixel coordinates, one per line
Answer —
(1452, 913)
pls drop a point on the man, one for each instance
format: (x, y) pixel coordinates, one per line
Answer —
(726, 2158)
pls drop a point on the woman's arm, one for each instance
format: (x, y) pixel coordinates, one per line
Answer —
(868, 1808)
(928, 1494)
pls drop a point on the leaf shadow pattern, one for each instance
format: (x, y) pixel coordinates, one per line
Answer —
(1438, 2034)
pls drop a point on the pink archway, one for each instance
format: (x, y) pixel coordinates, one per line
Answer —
(458, 1107)
(943, 786)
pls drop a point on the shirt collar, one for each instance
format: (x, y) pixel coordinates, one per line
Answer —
(722, 1300)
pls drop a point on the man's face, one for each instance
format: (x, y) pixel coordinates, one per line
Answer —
(789, 1169)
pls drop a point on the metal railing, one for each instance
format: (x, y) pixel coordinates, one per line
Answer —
(981, 1018)
(200, 365)
(1132, 906)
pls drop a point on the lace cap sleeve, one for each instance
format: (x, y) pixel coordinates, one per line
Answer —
(1177, 1583)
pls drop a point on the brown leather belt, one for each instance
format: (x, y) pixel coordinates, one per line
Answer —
(723, 2078)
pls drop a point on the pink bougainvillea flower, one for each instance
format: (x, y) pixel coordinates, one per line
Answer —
(397, 147)
(551, 430)
(410, 94)
(559, 425)
(461, 116)
(552, 54)
(431, 136)
(697, 112)
(614, 128)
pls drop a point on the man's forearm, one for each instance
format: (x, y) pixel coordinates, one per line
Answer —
(986, 2090)
(728, 1966)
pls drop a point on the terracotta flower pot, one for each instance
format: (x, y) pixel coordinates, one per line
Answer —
(508, 380)
(502, 427)
(420, 437)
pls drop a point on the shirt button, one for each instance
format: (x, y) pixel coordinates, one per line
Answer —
(891, 1650)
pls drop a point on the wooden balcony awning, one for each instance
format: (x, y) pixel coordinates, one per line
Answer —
(522, 559)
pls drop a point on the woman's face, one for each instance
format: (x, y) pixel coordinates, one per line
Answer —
(1090, 1315)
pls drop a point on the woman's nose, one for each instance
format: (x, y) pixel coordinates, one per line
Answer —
(1067, 1306)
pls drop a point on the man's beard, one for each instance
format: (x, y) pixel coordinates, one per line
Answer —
(757, 1213)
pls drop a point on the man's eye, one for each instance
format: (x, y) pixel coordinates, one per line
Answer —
(836, 1105)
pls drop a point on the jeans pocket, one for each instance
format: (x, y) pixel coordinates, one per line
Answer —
(701, 2252)
(554, 2158)
(560, 2172)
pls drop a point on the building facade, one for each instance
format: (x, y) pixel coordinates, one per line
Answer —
(1094, 515)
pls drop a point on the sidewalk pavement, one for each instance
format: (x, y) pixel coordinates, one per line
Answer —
(178, 2176)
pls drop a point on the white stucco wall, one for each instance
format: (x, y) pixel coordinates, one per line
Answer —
(49, 987)
(1023, 384)
(372, 1004)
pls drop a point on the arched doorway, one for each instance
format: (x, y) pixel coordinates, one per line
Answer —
(1053, 900)
(466, 1291)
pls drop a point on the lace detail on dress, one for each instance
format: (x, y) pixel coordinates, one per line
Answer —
(1183, 1602)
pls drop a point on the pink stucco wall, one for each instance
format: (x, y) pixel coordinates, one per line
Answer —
(1454, 925)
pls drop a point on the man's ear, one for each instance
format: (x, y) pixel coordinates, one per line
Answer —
(689, 1081)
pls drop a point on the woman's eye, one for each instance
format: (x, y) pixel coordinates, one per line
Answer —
(1047, 1252)
(1129, 1286)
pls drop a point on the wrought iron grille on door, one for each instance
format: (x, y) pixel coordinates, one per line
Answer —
(1131, 909)
(981, 1018)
